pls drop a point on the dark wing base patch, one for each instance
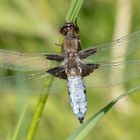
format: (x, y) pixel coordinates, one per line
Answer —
(85, 53)
(58, 72)
(88, 68)
(55, 57)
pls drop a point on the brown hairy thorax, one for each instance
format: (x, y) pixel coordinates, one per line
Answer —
(72, 55)
(71, 42)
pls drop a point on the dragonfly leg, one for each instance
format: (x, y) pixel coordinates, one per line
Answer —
(85, 53)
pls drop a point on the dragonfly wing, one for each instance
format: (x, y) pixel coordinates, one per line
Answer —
(103, 51)
(30, 84)
(25, 61)
(110, 74)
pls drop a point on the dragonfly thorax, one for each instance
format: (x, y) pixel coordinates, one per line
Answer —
(72, 64)
(71, 44)
(73, 72)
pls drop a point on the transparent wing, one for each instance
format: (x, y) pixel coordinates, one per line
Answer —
(101, 76)
(103, 50)
(25, 61)
(30, 84)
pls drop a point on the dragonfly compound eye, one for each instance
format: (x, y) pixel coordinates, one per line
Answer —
(69, 27)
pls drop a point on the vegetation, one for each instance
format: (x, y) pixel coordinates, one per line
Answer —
(33, 26)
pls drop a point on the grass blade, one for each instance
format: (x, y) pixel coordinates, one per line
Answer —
(73, 11)
(39, 110)
(84, 129)
(19, 124)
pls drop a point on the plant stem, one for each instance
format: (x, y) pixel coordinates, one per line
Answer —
(84, 129)
(15, 135)
(39, 110)
(73, 11)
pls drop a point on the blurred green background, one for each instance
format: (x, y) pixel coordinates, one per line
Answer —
(33, 25)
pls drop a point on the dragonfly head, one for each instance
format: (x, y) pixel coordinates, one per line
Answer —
(69, 27)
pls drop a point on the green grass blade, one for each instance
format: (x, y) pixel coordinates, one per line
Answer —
(84, 129)
(15, 135)
(39, 109)
(73, 11)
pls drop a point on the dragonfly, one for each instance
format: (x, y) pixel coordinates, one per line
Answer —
(73, 65)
